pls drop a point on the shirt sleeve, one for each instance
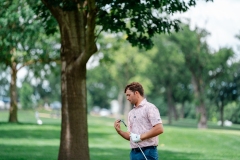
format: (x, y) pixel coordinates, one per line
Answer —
(154, 115)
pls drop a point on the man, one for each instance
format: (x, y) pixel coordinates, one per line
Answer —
(144, 124)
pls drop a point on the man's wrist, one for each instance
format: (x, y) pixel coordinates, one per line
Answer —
(135, 137)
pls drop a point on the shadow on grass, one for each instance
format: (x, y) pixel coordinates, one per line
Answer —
(22, 152)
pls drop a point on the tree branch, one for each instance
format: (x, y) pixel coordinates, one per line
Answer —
(91, 47)
(28, 63)
(56, 11)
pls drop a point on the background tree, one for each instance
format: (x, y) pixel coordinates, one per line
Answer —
(232, 111)
(201, 61)
(77, 21)
(224, 83)
(124, 64)
(197, 56)
(183, 91)
(45, 81)
(165, 71)
(21, 43)
(99, 86)
(26, 96)
(17, 25)
(4, 89)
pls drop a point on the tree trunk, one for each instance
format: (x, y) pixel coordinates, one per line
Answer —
(74, 131)
(199, 96)
(77, 46)
(203, 116)
(175, 112)
(182, 110)
(170, 104)
(222, 113)
(13, 94)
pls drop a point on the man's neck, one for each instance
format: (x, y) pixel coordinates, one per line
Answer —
(139, 101)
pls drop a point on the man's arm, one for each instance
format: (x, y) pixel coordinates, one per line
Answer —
(125, 135)
(156, 130)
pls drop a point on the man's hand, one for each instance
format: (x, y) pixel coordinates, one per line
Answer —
(135, 137)
(125, 135)
(117, 125)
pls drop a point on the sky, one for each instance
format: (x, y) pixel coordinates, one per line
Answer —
(221, 18)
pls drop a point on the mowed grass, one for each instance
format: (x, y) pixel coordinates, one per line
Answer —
(181, 141)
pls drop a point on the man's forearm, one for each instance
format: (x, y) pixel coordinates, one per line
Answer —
(125, 135)
(156, 130)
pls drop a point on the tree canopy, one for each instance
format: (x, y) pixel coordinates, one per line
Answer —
(140, 20)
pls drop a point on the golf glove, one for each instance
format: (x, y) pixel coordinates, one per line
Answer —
(135, 137)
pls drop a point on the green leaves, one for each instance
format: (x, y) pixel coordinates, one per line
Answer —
(17, 24)
(26, 93)
(48, 21)
(142, 19)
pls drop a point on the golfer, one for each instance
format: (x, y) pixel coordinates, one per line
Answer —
(144, 125)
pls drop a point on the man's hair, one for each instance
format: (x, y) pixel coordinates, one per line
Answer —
(135, 86)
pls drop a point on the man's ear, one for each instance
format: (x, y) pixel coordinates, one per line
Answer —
(136, 92)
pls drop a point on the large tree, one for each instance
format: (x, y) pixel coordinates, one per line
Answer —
(77, 20)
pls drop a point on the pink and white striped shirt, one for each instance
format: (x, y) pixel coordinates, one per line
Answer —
(141, 119)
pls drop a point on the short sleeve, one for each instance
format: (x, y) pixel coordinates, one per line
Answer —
(154, 115)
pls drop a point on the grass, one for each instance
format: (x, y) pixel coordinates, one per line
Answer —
(180, 141)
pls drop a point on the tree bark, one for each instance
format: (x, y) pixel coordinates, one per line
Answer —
(175, 112)
(74, 132)
(199, 96)
(222, 113)
(203, 116)
(77, 46)
(182, 110)
(170, 105)
(13, 94)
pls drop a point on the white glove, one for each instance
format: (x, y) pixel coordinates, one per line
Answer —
(135, 137)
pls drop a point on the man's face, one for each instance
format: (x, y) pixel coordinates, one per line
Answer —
(131, 96)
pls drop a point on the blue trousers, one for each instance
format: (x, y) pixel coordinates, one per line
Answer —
(150, 153)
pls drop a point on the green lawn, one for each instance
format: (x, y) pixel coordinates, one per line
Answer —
(181, 141)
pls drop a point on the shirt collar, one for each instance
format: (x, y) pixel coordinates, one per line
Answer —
(141, 104)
